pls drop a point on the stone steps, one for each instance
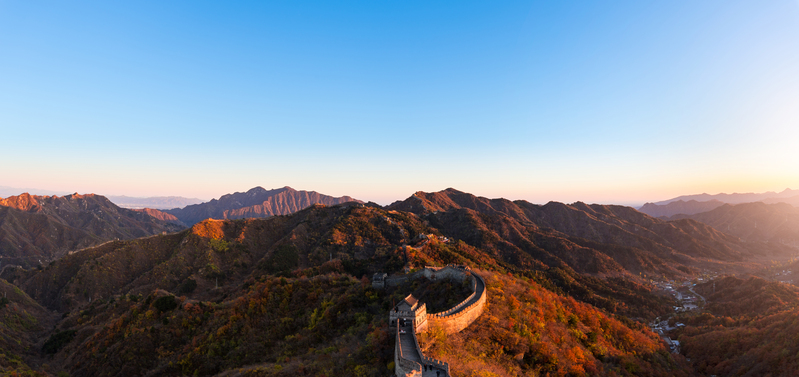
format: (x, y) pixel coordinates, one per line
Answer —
(456, 318)
(408, 345)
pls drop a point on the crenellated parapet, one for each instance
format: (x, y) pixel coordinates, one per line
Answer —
(437, 364)
(454, 272)
(413, 315)
(462, 315)
(402, 365)
(412, 311)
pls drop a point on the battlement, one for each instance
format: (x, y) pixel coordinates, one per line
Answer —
(452, 271)
(402, 365)
(435, 363)
(461, 304)
(462, 315)
(451, 320)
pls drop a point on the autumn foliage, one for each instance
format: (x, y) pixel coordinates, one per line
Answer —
(528, 330)
(751, 329)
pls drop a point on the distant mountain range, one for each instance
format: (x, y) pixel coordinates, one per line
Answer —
(679, 207)
(42, 228)
(753, 222)
(255, 203)
(593, 238)
(36, 229)
(155, 202)
(793, 200)
(693, 204)
(736, 198)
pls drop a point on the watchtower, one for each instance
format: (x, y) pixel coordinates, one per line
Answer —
(410, 309)
(379, 280)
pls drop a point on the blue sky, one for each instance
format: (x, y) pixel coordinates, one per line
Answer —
(611, 102)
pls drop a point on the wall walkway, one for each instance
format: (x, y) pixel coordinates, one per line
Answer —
(408, 357)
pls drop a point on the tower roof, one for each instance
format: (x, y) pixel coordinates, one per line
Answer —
(412, 301)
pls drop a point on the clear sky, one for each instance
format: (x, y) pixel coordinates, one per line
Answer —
(599, 101)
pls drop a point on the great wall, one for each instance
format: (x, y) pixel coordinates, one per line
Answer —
(410, 317)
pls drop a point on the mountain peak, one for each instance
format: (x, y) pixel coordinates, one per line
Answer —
(256, 202)
(259, 190)
(81, 196)
(256, 190)
(22, 202)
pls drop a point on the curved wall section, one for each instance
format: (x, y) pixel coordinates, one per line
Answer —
(408, 357)
(463, 314)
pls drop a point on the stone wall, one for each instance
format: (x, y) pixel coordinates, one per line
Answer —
(461, 316)
(451, 321)
(402, 366)
(418, 317)
(460, 304)
(397, 280)
(443, 365)
(448, 272)
(457, 322)
(458, 317)
(429, 361)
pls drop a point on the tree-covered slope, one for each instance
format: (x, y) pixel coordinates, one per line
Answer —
(290, 295)
(37, 229)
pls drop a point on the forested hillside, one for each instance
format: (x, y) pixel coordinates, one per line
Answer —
(751, 328)
(529, 330)
(37, 229)
(294, 291)
(291, 295)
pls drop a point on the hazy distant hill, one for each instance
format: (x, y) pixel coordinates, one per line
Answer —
(679, 207)
(34, 228)
(793, 200)
(737, 198)
(754, 222)
(693, 204)
(157, 202)
(255, 203)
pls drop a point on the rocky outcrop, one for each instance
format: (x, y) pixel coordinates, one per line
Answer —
(256, 203)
